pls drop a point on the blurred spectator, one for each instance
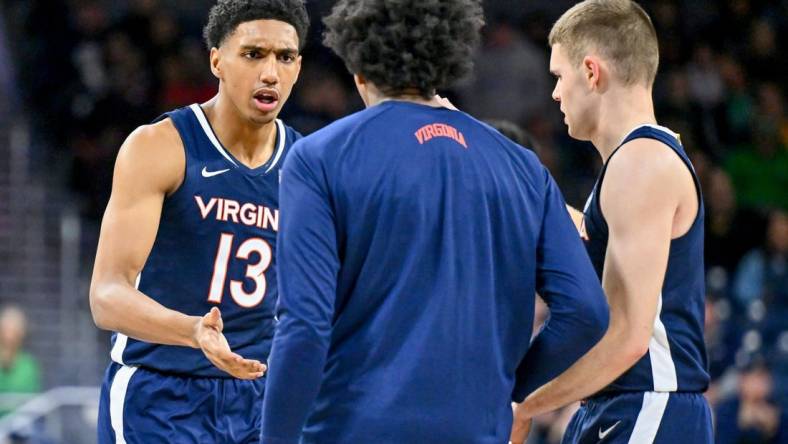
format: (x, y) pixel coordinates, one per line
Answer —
(705, 81)
(513, 131)
(667, 20)
(18, 369)
(763, 272)
(752, 417)
(726, 241)
(760, 169)
(739, 106)
(763, 57)
(320, 98)
(679, 109)
(184, 79)
(721, 338)
(8, 93)
(771, 110)
(510, 78)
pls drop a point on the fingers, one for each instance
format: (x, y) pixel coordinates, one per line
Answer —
(519, 434)
(520, 431)
(243, 368)
(218, 352)
(521, 427)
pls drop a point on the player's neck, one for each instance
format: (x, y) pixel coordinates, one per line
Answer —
(406, 98)
(373, 96)
(621, 111)
(251, 143)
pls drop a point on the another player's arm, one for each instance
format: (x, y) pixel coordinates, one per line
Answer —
(150, 165)
(567, 282)
(308, 263)
(639, 199)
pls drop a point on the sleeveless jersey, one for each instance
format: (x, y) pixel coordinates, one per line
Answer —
(215, 246)
(676, 358)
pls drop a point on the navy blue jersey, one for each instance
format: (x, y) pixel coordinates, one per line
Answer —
(412, 242)
(676, 358)
(215, 247)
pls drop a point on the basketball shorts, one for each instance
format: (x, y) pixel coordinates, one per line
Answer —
(642, 418)
(141, 406)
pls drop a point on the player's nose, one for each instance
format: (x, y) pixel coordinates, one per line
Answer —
(268, 72)
(556, 95)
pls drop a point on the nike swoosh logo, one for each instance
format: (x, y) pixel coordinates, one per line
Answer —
(206, 173)
(603, 435)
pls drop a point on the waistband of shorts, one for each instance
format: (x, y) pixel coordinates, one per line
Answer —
(170, 374)
(607, 395)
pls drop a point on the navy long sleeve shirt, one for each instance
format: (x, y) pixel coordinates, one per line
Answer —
(412, 240)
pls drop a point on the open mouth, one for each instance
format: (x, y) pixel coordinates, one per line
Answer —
(266, 99)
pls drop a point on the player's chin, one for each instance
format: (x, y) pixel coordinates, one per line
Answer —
(261, 117)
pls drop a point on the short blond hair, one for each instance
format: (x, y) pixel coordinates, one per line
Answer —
(620, 30)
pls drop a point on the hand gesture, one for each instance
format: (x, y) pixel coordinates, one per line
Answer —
(208, 336)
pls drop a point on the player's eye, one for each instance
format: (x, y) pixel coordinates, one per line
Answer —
(252, 54)
(287, 58)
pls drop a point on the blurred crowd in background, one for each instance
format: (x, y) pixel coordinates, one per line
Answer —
(87, 72)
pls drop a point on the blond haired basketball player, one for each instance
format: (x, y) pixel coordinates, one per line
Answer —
(643, 228)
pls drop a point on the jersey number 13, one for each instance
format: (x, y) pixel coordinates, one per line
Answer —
(254, 271)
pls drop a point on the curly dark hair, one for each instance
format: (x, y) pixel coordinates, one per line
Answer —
(406, 44)
(226, 15)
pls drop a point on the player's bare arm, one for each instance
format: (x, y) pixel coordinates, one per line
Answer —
(150, 165)
(648, 198)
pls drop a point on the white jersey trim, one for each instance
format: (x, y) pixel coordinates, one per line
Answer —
(117, 400)
(281, 147)
(118, 348)
(663, 369)
(650, 125)
(206, 127)
(649, 418)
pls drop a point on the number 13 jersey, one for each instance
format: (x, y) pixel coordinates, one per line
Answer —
(215, 246)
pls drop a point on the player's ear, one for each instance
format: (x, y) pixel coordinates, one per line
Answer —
(591, 70)
(298, 67)
(215, 57)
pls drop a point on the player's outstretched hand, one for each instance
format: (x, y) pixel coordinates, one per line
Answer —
(208, 336)
(521, 426)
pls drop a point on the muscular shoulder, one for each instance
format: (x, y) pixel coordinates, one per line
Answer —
(644, 177)
(153, 153)
(644, 160)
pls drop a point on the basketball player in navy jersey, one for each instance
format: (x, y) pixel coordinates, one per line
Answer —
(413, 238)
(643, 228)
(185, 271)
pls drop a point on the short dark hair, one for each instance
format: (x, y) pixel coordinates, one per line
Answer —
(406, 44)
(226, 15)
